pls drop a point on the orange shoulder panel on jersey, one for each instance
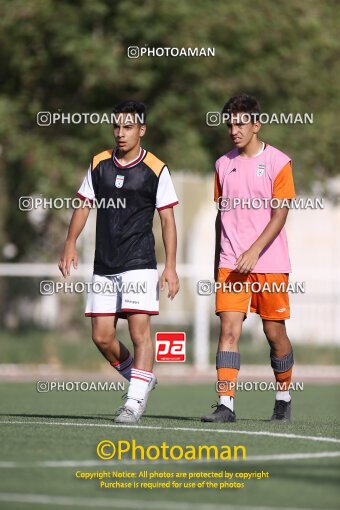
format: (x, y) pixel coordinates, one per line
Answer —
(154, 163)
(101, 157)
(284, 183)
(217, 188)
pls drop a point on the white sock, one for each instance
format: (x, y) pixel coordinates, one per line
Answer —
(227, 401)
(124, 368)
(138, 388)
(283, 395)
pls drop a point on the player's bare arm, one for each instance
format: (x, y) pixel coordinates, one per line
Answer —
(169, 234)
(247, 261)
(218, 227)
(69, 255)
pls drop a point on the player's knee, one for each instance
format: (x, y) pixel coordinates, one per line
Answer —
(101, 340)
(231, 338)
(140, 339)
(273, 334)
(140, 333)
(139, 336)
(229, 333)
(228, 338)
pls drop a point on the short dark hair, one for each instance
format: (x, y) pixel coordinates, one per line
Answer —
(242, 104)
(131, 107)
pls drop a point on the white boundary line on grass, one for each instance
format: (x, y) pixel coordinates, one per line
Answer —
(183, 429)
(127, 462)
(44, 499)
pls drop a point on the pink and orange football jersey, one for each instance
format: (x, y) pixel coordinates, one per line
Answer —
(264, 176)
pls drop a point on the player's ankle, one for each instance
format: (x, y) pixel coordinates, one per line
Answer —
(227, 401)
(283, 395)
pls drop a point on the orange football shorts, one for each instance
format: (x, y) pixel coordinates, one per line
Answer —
(266, 293)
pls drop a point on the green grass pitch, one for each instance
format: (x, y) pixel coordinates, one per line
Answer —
(40, 431)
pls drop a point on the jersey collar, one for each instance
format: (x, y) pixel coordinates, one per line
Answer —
(134, 162)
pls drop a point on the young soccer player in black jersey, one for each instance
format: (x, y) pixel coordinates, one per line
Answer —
(125, 253)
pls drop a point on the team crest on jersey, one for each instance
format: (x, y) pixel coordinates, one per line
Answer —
(260, 170)
(119, 181)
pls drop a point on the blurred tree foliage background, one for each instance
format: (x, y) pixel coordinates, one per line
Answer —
(72, 56)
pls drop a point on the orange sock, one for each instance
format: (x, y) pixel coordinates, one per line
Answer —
(282, 368)
(226, 381)
(283, 379)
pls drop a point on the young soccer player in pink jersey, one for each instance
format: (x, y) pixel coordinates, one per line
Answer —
(251, 248)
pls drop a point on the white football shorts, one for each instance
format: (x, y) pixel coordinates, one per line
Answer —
(135, 291)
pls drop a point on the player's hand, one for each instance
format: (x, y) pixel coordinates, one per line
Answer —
(247, 261)
(70, 255)
(170, 276)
